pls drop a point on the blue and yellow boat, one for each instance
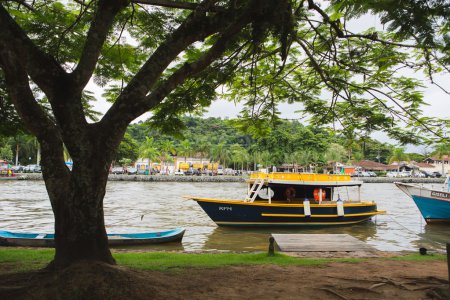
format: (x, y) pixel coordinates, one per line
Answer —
(291, 199)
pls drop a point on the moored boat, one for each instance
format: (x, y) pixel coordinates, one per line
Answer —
(433, 204)
(8, 238)
(290, 199)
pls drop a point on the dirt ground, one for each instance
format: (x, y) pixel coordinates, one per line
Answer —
(372, 279)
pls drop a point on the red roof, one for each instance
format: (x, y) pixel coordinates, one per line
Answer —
(443, 158)
(371, 165)
(424, 165)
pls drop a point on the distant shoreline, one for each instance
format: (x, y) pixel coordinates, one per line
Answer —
(221, 178)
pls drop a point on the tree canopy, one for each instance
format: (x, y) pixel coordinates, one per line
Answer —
(306, 52)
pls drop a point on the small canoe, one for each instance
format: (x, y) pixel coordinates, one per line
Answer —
(8, 238)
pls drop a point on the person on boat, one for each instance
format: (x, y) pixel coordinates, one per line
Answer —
(290, 194)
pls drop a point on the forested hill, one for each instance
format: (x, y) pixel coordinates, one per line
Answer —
(220, 140)
(287, 142)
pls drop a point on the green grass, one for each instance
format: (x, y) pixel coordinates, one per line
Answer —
(165, 261)
(20, 260)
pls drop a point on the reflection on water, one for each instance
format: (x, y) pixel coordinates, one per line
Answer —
(256, 239)
(148, 206)
(434, 236)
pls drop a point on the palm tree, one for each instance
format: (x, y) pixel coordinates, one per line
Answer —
(25, 144)
(358, 156)
(202, 147)
(351, 142)
(303, 157)
(148, 150)
(264, 158)
(220, 153)
(308, 157)
(184, 149)
(239, 155)
(167, 149)
(235, 150)
(335, 153)
(290, 158)
(398, 155)
(440, 151)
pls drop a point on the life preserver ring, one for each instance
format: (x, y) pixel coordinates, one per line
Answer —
(289, 193)
(317, 194)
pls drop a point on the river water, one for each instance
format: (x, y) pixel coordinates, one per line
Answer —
(150, 206)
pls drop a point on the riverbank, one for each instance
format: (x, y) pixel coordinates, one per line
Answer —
(222, 178)
(223, 276)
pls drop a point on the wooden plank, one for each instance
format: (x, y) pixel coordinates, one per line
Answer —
(319, 243)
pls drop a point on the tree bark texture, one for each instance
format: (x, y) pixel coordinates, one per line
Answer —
(79, 218)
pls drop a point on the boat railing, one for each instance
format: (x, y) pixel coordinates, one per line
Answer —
(254, 190)
(300, 177)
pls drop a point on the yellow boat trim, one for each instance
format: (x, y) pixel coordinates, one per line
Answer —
(300, 177)
(323, 216)
(290, 223)
(257, 203)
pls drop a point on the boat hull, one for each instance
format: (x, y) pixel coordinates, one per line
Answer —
(47, 240)
(240, 213)
(434, 205)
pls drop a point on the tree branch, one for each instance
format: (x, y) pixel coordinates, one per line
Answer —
(196, 27)
(20, 92)
(34, 118)
(179, 4)
(103, 20)
(341, 34)
(134, 100)
(191, 69)
(42, 68)
(22, 2)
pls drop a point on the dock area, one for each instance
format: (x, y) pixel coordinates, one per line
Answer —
(221, 178)
(323, 244)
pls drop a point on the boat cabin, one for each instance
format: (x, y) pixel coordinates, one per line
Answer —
(296, 187)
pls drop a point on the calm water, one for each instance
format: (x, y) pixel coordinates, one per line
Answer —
(24, 206)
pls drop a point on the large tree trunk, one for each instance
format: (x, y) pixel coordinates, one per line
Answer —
(77, 198)
(79, 219)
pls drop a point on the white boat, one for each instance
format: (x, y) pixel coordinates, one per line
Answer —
(433, 204)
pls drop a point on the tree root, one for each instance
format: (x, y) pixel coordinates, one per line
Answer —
(377, 285)
(334, 293)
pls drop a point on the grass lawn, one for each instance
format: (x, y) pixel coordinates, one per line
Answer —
(20, 260)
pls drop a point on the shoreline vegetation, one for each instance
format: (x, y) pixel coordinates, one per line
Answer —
(221, 178)
(250, 275)
(22, 259)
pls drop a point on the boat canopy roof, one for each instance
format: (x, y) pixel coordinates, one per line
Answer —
(326, 180)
